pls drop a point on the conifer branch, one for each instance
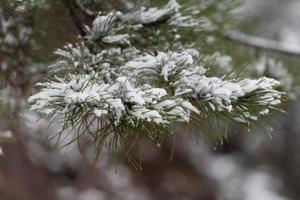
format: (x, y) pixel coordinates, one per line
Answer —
(262, 43)
(112, 88)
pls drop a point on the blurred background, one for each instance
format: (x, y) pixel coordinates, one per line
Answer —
(247, 166)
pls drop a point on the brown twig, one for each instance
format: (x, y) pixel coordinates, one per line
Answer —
(70, 5)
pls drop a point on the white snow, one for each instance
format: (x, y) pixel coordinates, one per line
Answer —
(104, 24)
(120, 38)
(191, 80)
(99, 112)
(123, 81)
(155, 14)
(149, 115)
(163, 64)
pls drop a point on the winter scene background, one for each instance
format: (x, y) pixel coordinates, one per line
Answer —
(140, 99)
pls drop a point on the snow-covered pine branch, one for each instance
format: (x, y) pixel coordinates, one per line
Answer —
(133, 75)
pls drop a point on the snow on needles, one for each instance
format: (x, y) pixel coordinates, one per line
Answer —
(105, 27)
(116, 100)
(113, 80)
(153, 15)
(179, 70)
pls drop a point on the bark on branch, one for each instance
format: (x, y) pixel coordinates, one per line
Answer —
(70, 5)
(262, 43)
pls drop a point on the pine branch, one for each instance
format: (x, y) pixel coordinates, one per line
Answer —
(111, 90)
(262, 43)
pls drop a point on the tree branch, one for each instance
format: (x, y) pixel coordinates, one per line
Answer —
(85, 10)
(69, 4)
(262, 43)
